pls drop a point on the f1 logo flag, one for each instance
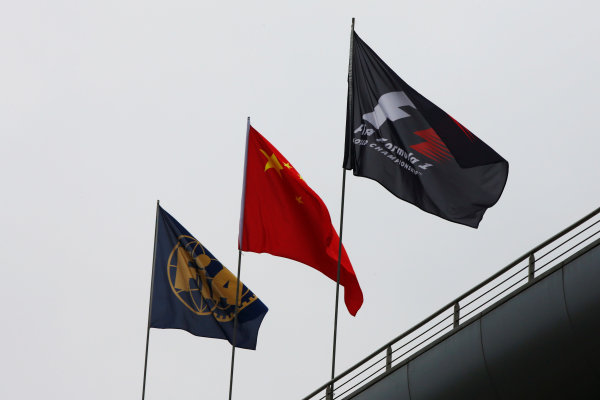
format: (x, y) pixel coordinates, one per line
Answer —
(413, 148)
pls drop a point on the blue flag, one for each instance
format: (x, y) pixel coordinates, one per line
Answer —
(193, 291)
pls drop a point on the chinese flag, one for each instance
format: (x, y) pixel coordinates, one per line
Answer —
(283, 216)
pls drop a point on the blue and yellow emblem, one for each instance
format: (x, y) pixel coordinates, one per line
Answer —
(202, 283)
(193, 291)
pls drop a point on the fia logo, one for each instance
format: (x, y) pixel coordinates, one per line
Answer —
(201, 282)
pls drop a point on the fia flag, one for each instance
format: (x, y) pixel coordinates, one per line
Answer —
(283, 216)
(193, 291)
(419, 153)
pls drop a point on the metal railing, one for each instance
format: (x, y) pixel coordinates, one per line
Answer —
(464, 308)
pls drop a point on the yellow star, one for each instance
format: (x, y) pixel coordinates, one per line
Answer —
(300, 176)
(272, 162)
(299, 199)
(287, 165)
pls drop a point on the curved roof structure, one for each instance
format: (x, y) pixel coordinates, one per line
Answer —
(530, 331)
(541, 342)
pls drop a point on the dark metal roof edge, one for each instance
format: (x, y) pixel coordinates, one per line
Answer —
(458, 299)
(476, 317)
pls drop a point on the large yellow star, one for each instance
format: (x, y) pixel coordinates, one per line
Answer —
(272, 162)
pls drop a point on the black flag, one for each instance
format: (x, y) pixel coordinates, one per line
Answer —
(413, 148)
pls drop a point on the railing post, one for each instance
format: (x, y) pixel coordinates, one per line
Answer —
(456, 315)
(531, 272)
(388, 358)
(329, 392)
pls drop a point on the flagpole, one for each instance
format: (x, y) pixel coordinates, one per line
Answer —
(339, 264)
(150, 303)
(239, 271)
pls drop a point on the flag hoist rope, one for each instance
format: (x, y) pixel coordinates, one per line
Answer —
(150, 304)
(237, 288)
(337, 285)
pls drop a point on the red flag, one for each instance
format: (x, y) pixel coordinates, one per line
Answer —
(284, 217)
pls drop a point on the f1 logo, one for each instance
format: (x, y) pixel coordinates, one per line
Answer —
(388, 107)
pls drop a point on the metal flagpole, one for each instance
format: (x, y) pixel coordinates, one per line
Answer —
(337, 285)
(150, 305)
(237, 288)
(239, 271)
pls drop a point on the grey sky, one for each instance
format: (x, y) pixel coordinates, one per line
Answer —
(106, 106)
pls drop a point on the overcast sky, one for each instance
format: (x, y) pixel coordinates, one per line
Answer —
(107, 106)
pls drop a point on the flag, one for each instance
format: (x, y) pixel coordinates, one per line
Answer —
(414, 149)
(283, 216)
(193, 291)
